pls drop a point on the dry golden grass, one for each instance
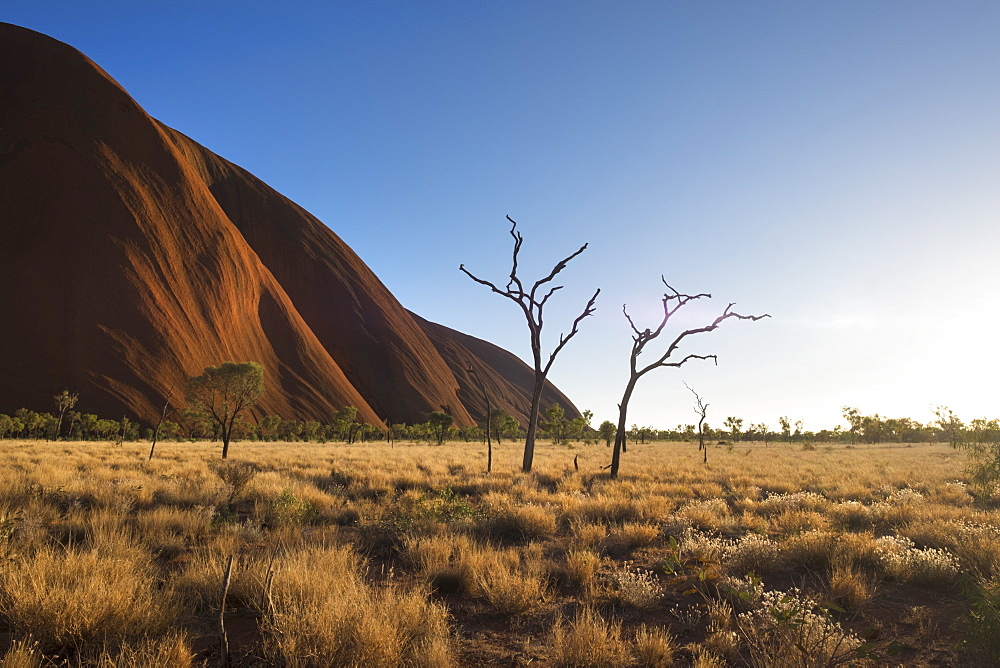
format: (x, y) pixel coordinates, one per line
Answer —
(654, 647)
(78, 599)
(371, 555)
(324, 614)
(588, 640)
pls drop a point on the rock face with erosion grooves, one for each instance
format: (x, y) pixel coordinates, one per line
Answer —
(133, 257)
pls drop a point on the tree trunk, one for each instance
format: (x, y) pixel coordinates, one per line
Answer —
(620, 434)
(225, 442)
(489, 440)
(529, 441)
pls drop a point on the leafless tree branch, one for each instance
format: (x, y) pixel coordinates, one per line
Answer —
(588, 310)
(533, 308)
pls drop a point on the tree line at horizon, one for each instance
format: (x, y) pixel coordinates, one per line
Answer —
(343, 425)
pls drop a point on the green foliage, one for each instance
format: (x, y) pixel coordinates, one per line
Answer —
(439, 424)
(223, 392)
(503, 425)
(289, 509)
(445, 505)
(735, 427)
(982, 623)
(236, 476)
(343, 423)
(982, 441)
(607, 431)
(555, 423)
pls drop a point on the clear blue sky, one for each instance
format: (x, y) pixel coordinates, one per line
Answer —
(836, 164)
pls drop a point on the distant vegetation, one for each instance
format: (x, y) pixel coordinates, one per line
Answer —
(193, 424)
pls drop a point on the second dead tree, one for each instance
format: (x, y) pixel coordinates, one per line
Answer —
(701, 408)
(673, 301)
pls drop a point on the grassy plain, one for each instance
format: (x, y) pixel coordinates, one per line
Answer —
(367, 555)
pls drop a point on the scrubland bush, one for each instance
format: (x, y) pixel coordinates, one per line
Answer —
(581, 569)
(981, 624)
(511, 524)
(633, 587)
(793, 629)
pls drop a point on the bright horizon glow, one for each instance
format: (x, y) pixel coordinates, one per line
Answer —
(832, 164)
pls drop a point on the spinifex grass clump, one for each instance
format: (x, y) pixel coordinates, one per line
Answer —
(324, 614)
(77, 601)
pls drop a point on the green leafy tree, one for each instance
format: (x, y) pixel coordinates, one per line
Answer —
(872, 428)
(6, 425)
(30, 420)
(439, 423)
(949, 423)
(763, 431)
(310, 430)
(504, 425)
(607, 431)
(786, 427)
(735, 427)
(854, 421)
(269, 426)
(64, 401)
(224, 392)
(343, 423)
(982, 442)
(88, 424)
(555, 423)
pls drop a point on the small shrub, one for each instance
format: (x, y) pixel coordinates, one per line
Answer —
(23, 653)
(792, 629)
(286, 508)
(814, 550)
(634, 588)
(850, 588)
(172, 650)
(627, 538)
(325, 614)
(907, 563)
(981, 626)
(236, 475)
(581, 569)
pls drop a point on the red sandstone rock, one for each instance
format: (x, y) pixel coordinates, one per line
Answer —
(132, 257)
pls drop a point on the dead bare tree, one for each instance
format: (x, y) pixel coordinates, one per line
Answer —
(486, 398)
(532, 307)
(673, 301)
(701, 409)
(156, 429)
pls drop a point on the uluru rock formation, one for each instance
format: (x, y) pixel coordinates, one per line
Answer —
(133, 257)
